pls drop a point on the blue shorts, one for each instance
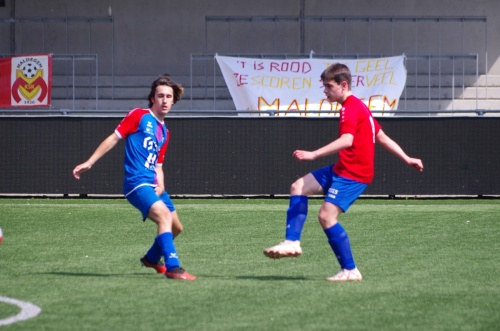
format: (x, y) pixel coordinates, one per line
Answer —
(145, 196)
(340, 191)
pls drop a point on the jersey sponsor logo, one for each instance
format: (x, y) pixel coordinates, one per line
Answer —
(152, 148)
(149, 128)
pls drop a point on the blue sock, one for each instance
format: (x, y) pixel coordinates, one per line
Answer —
(166, 243)
(296, 216)
(339, 241)
(154, 254)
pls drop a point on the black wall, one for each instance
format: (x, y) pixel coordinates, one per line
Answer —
(248, 156)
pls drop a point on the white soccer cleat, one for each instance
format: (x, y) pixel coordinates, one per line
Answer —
(346, 276)
(286, 248)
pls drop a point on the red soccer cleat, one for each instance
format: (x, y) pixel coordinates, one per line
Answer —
(159, 267)
(179, 273)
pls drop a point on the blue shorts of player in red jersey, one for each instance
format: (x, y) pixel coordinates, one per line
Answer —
(339, 191)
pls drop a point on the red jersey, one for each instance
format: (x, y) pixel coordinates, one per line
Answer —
(357, 161)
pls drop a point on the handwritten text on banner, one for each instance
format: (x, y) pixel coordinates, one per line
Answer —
(293, 86)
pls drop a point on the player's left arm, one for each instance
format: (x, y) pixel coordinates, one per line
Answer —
(395, 149)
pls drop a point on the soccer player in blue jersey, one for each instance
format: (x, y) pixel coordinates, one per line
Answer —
(146, 140)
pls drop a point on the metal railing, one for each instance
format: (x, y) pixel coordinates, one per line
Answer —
(445, 55)
(370, 27)
(30, 35)
(93, 78)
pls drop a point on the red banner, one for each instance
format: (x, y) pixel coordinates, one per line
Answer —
(26, 81)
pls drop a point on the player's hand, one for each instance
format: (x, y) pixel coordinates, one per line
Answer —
(304, 155)
(416, 164)
(80, 169)
(159, 190)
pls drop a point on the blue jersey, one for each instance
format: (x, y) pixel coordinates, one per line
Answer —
(146, 143)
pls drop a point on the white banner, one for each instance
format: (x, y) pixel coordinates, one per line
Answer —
(294, 88)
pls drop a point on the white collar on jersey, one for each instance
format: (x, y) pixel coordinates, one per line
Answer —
(161, 121)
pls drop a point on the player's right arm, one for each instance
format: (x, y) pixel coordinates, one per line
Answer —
(343, 142)
(102, 149)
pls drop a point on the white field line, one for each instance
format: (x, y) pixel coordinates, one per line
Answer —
(181, 205)
(28, 310)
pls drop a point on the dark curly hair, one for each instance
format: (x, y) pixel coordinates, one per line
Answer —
(165, 80)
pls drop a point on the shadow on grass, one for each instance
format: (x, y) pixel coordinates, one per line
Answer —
(81, 274)
(275, 278)
(140, 275)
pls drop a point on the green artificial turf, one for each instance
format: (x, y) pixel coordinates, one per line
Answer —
(427, 265)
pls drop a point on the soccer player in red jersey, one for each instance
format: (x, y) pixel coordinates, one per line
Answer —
(343, 182)
(146, 139)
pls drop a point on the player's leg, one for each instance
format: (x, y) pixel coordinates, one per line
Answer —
(159, 213)
(143, 198)
(337, 237)
(152, 259)
(295, 217)
(162, 216)
(154, 254)
(177, 226)
(158, 210)
(176, 223)
(339, 242)
(339, 198)
(297, 211)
